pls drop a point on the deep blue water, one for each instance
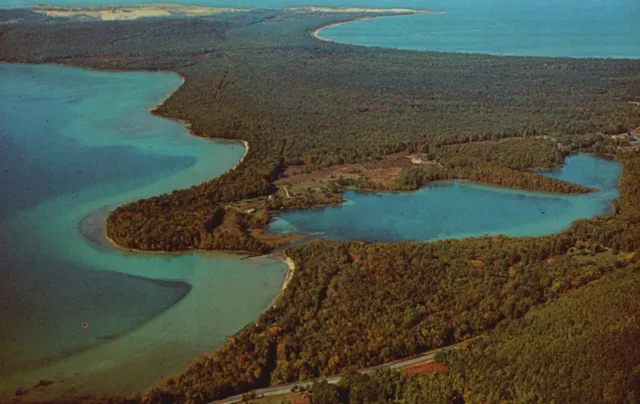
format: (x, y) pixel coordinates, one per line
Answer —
(591, 28)
(460, 209)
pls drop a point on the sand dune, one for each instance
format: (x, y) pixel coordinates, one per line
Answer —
(131, 12)
(167, 10)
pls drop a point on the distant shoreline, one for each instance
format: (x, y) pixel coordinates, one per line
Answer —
(130, 12)
(397, 13)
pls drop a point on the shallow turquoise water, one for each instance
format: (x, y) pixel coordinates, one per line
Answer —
(73, 142)
(460, 209)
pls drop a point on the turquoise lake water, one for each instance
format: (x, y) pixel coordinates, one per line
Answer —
(73, 142)
(459, 209)
(590, 28)
(576, 28)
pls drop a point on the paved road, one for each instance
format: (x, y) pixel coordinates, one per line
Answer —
(274, 391)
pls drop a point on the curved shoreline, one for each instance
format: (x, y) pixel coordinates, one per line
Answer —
(151, 338)
(187, 126)
(291, 269)
(101, 238)
(315, 32)
(98, 236)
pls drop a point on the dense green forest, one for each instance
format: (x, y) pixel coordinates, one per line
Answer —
(260, 77)
(580, 348)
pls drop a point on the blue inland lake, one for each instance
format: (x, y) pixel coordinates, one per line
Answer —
(455, 209)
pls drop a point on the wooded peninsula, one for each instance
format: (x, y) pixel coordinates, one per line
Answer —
(556, 317)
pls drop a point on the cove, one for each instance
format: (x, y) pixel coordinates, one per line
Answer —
(455, 209)
(571, 28)
(74, 142)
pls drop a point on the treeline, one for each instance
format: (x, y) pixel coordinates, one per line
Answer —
(505, 163)
(412, 177)
(525, 153)
(190, 219)
(215, 228)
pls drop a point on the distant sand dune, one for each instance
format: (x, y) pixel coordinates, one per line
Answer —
(131, 12)
(104, 13)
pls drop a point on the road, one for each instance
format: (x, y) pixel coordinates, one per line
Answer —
(278, 390)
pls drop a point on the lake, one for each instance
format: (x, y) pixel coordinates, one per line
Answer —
(582, 29)
(72, 143)
(455, 209)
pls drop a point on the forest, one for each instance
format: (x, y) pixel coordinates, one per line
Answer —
(576, 349)
(301, 102)
(262, 78)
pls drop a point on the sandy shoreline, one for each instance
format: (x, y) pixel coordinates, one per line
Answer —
(291, 268)
(357, 10)
(187, 125)
(93, 228)
(316, 31)
(398, 12)
(104, 239)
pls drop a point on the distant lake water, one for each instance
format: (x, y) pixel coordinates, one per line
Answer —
(73, 142)
(575, 28)
(584, 29)
(460, 209)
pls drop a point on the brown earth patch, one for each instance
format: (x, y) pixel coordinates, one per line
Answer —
(384, 171)
(300, 400)
(425, 368)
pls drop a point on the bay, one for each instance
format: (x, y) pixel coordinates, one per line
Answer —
(75, 142)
